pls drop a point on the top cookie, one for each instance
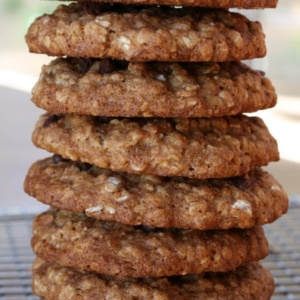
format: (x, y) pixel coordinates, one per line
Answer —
(137, 33)
(203, 3)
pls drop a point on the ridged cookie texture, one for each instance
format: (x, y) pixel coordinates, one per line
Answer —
(53, 282)
(140, 33)
(199, 148)
(135, 89)
(243, 202)
(247, 4)
(77, 241)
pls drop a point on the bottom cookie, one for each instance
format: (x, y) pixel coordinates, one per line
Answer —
(251, 281)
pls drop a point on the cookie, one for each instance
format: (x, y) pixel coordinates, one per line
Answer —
(74, 240)
(251, 281)
(196, 148)
(137, 33)
(254, 199)
(202, 3)
(116, 88)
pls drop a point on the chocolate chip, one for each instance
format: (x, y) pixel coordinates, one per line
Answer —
(198, 13)
(50, 120)
(131, 8)
(172, 122)
(210, 275)
(148, 229)
(176, 279)
(84, 64)
(58, 158)
(107, 66)
(141, 120)
(83, 166)
(241, 183)
(102, 120)
(80, 64)
(122, 64)
(120, 8)
(96, 8)
(185, 279)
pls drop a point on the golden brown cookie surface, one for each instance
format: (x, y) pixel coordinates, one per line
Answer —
(196, 148)
(52, 282)
(74, 240)
(116, 88)
(254, 199)
(146, 34)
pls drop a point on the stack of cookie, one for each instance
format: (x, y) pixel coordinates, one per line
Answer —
(155, 186)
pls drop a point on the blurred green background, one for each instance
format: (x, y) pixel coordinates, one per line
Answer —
(16, 15)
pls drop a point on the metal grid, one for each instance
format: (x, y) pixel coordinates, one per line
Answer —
(16, 256)
(284, 258)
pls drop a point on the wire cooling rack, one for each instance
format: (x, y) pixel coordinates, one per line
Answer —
(284, 258)
(16, 255)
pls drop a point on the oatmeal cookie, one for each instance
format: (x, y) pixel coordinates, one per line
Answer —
(196, 148)
(74, 240)
(243, 202)
(52, 282)
(136, 89)
(139, 33)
